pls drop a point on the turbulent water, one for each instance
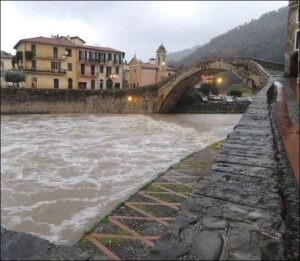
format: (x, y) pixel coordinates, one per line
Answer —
(61, 173)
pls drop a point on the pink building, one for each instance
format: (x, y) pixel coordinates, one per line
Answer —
(141, 74)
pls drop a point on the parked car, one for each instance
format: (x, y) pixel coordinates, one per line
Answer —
(228, 99)
(204, 99)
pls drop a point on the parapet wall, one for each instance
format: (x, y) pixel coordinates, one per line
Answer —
(237, 211)
(22, 101)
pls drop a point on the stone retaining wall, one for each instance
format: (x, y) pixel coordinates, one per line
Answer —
(212, 107)
(22, 101)
(237, 211)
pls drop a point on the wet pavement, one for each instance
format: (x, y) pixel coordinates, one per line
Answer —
(287, 118)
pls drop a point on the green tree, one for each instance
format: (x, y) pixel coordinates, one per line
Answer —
(29, 55)
(14, 77)
(206, 89)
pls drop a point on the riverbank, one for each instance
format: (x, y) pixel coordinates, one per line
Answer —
(129, 231)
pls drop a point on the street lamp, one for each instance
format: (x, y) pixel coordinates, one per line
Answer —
(219, 80)
(129, 98)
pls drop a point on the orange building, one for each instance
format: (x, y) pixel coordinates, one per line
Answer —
(141, 74)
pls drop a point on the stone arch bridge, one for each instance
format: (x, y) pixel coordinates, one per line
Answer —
(170, 90)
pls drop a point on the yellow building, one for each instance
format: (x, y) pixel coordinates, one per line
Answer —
(66, 63)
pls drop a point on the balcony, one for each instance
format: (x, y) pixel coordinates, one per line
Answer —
(45, 70)
(88, 74)
(91, 60)
(50, 57)
(117, 62)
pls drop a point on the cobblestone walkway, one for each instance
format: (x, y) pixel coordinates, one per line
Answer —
(130, 231)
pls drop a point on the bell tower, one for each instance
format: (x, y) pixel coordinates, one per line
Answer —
(161, 54)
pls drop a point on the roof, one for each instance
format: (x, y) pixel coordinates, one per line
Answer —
(47, 40)
(107, 49)
(64, 42)
(73, 37)
(170, 68)
(6, 55)
(149, 66)
(161, 48)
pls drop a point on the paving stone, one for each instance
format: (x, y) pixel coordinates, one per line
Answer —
(247, 243)
(23, 246)
(207, 245)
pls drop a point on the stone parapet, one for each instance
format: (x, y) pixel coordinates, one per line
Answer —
(238, 211)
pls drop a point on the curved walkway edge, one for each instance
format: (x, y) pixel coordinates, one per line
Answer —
(247, 206)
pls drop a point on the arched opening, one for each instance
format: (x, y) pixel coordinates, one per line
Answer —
(101, 84)
(294, 65)
(109, 84)
(70, 83)
(172, 90)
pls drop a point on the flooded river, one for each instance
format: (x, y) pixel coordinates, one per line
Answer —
(61, 173)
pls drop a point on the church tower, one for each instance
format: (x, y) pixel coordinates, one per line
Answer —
(161, 54)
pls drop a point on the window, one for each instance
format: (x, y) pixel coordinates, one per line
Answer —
(33, 64)
(80, 55)
(115, 58)
(109, 57)
(69, 51)
(101, 84)
(117, 85)
(33, 82)
(120, 58)
(69, 67)
(90, 56)
(55, 66)
(82, 69)
(92, 69)
(297, 36)
(101, 69)
(56, 83)
(33, 48)
(134, 85)
(134, 70)
(92, 84)
(70, 83)
(117, 70)
(108, 70)
(55, 55)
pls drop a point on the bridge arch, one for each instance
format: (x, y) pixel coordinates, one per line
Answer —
(172, 89)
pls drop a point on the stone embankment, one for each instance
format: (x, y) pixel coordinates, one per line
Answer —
(26, 101)
(247, 206)
(212, 107)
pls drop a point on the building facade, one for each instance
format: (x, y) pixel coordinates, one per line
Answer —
(141, 74)
(6, 64)
(64, 62)
(292, 41)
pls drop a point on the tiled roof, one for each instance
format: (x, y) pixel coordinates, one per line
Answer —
(149, 65)
(64, 42)
(6, 55)
(47, 40)
(106, 49)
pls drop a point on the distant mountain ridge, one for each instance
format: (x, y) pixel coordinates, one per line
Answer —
(263, 38)
(174, 57)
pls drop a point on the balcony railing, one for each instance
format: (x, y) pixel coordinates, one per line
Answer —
(50, 57)
(45, 70)
(91, 60)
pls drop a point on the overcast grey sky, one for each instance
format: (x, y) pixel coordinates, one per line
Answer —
(130, 26)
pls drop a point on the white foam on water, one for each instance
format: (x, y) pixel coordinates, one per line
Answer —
(61, 173)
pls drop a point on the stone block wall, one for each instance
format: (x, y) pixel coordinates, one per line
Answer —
(22, 101)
